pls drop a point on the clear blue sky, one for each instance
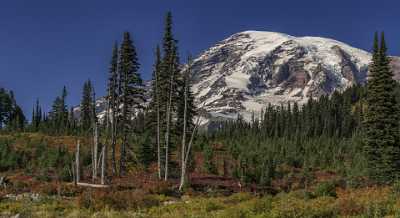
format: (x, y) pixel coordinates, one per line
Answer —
(45, 44)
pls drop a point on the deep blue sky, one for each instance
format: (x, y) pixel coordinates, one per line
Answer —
(45, 44)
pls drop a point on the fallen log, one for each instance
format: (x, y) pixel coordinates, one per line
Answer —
(92, 185)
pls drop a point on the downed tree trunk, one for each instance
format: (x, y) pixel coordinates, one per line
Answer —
(92, 185)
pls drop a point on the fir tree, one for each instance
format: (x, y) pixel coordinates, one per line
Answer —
(170, 82)
(36, 116)
(112, 104)
(131, 93)
(381, 118)
(86, 116)
(185, 89)
(59, 113)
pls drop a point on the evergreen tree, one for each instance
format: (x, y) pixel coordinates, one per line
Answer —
(186, 84)
(112, 104)
(59, 113)
(170, 82)
(5, 107)
(36, 116)
(86, 116)
(381, 118)
(131, 93)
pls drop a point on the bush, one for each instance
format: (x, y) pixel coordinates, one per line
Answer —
(160, 187)
(118, 200)
(325, 189)
(9, 158)
(396, 188)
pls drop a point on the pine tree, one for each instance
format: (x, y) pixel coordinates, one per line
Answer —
(381, 118)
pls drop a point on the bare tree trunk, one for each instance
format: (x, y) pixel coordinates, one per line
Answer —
(113, 122)
(183, 164)
(109, 129)
(113, 144)
(95, 150)
(122, 156)
(73, 169)
(77, 164)
(103, 164)
(99, 161)
(158, 129)
(168, 127)
(186, 158)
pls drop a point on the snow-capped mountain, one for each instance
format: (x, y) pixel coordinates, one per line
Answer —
(249, 70)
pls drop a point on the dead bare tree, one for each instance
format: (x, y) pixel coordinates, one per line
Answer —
(183, 141)
(183, 167)
(158, 126)
(103, 163)
(77, 164)
(95, 138)
(186, 155)
(95, 150)
(169, 111)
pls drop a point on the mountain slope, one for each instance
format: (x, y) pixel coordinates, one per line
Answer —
(249, 70)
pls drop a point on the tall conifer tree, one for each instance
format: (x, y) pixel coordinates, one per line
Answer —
(131, 93)
(112, 101)
(382, 116)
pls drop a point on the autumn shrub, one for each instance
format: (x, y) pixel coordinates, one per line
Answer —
(325, 189)
(70, 190)
(160, 188)
(19, 186)
(396, 188)
(48, 189)
(250, 206)
(54, 188)
(118, 200)
(10, 159)
(237, 198)
(287, 205)
(303, 194)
